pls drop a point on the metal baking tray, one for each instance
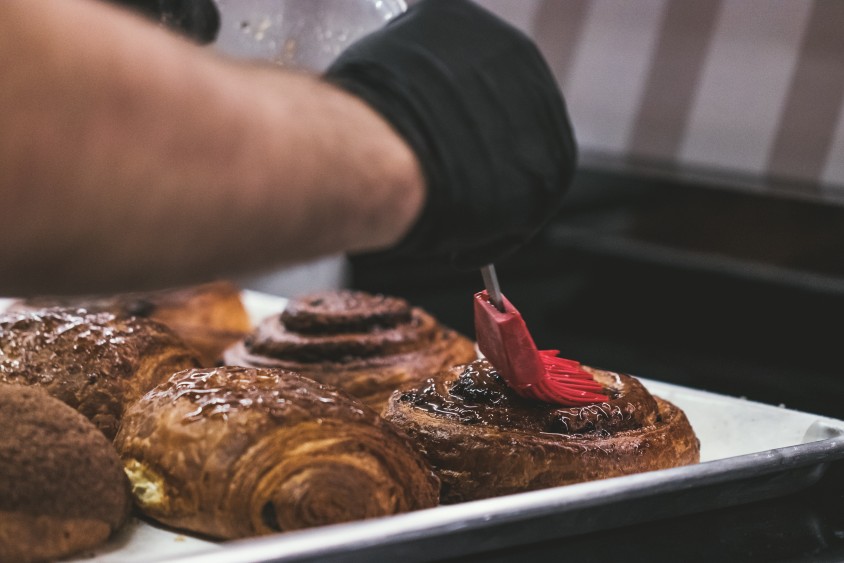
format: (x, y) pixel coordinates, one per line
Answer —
(749, 451)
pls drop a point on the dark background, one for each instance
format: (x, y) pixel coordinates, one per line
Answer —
(703, 285)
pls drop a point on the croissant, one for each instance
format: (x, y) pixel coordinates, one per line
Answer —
(96, 363)
(368, 345)
(234, 452)
(208, 317)
(483, 440)
(62, 486)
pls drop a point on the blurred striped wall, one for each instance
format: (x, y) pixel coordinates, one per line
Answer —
(751, 88)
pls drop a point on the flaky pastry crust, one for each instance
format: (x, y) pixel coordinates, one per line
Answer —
(96, 363)
(208, 317)
(367, 345)
(483, 440)
(235, 452)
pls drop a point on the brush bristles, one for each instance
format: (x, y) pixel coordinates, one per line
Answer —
(565, 383)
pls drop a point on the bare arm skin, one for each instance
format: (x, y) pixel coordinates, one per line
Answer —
(130, 158)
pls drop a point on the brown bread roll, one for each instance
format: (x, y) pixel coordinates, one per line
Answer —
(96, 363)
(483, 440)
(367, 345)
(62, 486)
(208, 317)
(234, 452)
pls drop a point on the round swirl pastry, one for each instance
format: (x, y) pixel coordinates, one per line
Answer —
(209, 317)
(62, 486)
(96, 363)
(483, 440)
(234, 452)
(368, 345)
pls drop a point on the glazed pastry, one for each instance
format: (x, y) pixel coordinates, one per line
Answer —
(483, 440)
(62, 486)
(367, 345)
(234, 452)
(96, 363)
(208, 317)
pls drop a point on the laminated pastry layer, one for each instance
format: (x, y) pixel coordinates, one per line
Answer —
(97, 363)
(236, 452)
(368, 345)
(483, 440)
(208, 317)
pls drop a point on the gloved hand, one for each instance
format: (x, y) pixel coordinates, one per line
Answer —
(479, 106)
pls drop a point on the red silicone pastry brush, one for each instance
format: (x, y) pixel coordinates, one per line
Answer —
(504, 339)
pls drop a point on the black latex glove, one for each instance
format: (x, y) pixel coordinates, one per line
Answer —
(198, 19)
(480, 108)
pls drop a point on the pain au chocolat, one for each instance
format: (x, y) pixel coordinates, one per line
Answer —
(208, 317)
(97, 363)
(62, 486)
(234, 452)
(483, 440)
(368, 345)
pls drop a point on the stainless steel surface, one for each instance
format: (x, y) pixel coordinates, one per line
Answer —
(492, 287)
(305, 34)
(750, 452)
(551, 513)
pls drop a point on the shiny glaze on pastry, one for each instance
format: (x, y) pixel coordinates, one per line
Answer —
(96, 363)
(208, 317)
(368, 345)
(236, 452)
(483, 440)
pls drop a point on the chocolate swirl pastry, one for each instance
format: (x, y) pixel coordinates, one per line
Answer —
(208, 317)
(483, 440)
(96, 363)
(62, 486)
(368, 345)
(234, 452)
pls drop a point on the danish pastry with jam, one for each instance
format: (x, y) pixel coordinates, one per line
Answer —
(483, 440)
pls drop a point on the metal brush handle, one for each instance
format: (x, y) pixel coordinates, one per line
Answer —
(492, 287)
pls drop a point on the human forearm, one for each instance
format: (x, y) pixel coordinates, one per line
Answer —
(131, 158)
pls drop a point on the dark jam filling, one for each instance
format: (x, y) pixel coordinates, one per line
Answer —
(479, 396)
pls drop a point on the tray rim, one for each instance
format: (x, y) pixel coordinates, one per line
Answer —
(393, 531)
(344, 541)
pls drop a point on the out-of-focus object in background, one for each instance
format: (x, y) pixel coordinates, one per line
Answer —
(208, 317)
(308, 35)
(302, 34)
(62, 486)
(295, 33)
